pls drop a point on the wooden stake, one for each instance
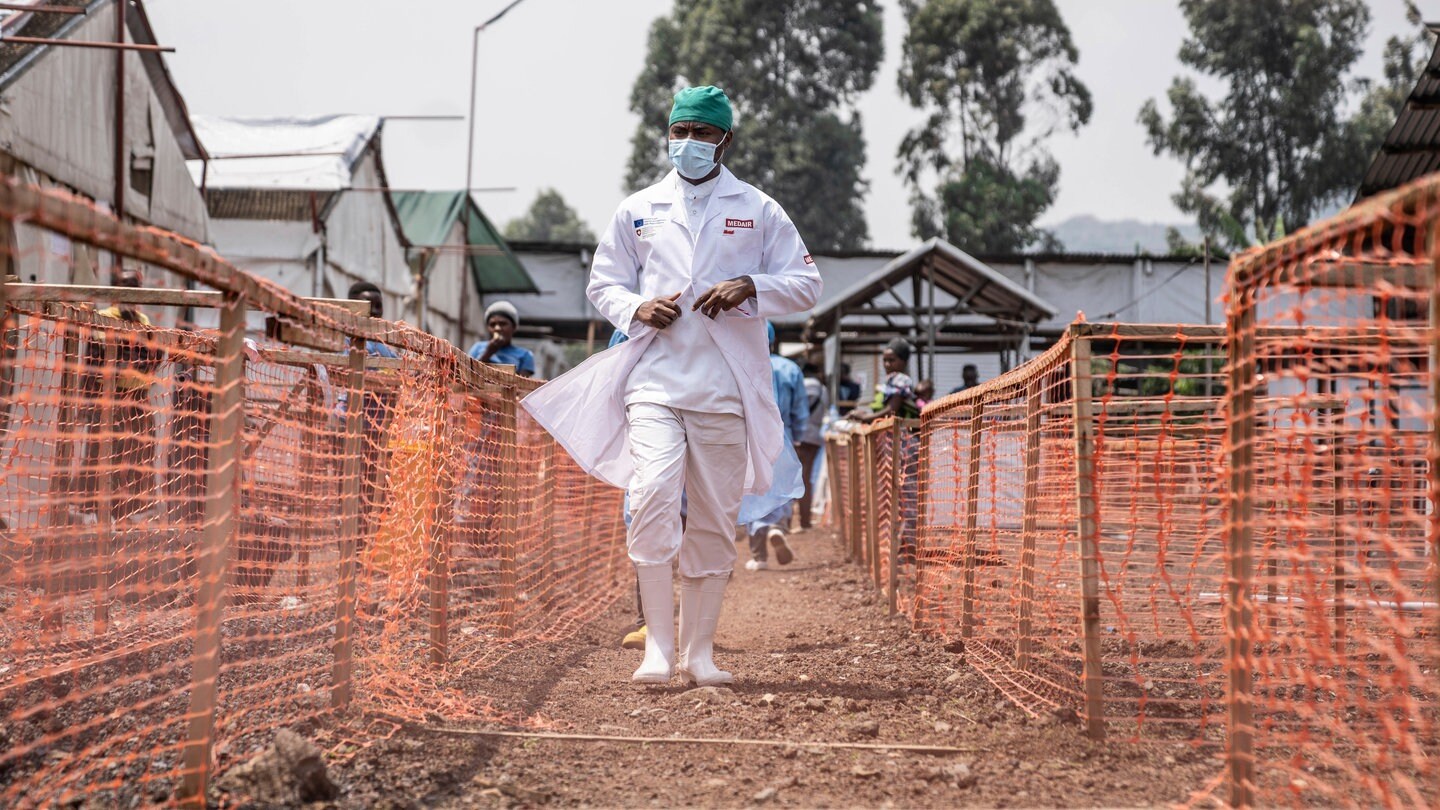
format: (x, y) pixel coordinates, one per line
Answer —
(62, 477)
(1433, 456)
(853, 485)
(972, 521)
(897, 479)
(508, 486)
(872, 509)
(548, 506)
(1088, 502)
(920, 613)
(105, 428)
(1240, 629)
(217, 544)
(836, 505)
(310, 476)
(1338, 528)
(442, 529)
(351, 491)
(1030, 525)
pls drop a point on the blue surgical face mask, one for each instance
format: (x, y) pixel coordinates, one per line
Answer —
(693, 159)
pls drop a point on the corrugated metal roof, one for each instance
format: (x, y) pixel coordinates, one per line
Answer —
(15, 59)
(968, 287)
(1412, 149)
(427, 218)
(266, 204)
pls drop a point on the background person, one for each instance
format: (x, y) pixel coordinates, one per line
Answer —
(502, 319)
(131, 363)
(794, 413)
(379, 406)
(812, 439)
(969, 378)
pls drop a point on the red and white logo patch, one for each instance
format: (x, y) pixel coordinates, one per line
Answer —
(809, 259)
(740, 223)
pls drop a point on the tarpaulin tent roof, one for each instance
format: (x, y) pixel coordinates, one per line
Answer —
(428, 217)
(314, 154)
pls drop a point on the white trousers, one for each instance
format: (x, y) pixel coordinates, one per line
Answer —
(701, 455)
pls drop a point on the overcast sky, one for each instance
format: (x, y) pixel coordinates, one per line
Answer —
(555, 79)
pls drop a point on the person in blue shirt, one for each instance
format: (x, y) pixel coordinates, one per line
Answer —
(794, 412)
(501, 319)
(377, 407)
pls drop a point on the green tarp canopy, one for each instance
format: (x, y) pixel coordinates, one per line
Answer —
(428, 218)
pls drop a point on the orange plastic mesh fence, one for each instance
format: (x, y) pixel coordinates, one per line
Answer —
(1220, 536)
(207, 536)
(1334, 608)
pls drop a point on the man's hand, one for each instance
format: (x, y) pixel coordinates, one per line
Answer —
(725, 296)
(659, 312)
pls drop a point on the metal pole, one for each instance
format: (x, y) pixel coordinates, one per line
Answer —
(930, 279)
(120, 183)
(470, 142)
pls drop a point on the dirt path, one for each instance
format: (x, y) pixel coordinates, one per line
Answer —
(816, 662)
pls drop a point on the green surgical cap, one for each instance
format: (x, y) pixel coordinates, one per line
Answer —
(708, 105)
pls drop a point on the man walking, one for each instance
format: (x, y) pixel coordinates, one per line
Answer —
(688, 268)
(794, 412)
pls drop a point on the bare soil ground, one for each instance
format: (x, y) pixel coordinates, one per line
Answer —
(816, 662)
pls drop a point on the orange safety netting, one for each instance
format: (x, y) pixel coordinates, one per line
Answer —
(1223, 537)
(209, 533)
(1331, 535)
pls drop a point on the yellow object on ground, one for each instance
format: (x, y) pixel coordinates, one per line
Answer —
(635, 639)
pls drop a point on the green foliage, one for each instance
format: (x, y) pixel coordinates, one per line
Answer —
(1278, 146)
(996, 78)
(793, 71)
(549, 219)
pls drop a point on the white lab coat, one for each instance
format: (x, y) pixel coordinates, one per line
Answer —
(650, 250)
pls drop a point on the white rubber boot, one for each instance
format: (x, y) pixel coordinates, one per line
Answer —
(657, 600)
(700, 600)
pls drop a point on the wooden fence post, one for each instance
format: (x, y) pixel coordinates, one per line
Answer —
(509, 489)
(105, 429)
(62, 478)
(1433, 459)
(1088, 510)
(352, 490)
(838, 508)
(442, 525)
(857, 511)
(309, 472)
(1030, 525)
(972, 521)
(920, 613)
(1240, 560)
(217, 544)
(897, 481)
(1338, 529)
(548, 505)
(872, 509)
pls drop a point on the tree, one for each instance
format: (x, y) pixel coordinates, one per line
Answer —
(1278, 146)
(792, 71)
(996, 78)
(549, 219)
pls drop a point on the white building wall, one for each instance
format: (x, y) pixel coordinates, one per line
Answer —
(59, 119)
(362, 242)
